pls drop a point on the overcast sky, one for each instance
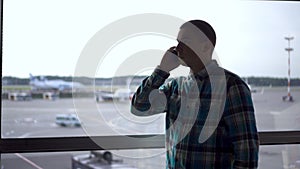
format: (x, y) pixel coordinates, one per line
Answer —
(47, 37)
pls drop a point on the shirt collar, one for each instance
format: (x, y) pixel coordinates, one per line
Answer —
(210, 67)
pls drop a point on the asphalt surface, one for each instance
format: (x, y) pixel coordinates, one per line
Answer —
(36, 118)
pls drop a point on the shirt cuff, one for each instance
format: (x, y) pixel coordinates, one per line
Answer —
(161, 72)
(157, 78)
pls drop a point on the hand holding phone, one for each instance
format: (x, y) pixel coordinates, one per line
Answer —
(170, 60)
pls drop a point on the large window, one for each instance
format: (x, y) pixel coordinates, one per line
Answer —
(69, 69)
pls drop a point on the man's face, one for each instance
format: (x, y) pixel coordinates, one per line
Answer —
(187, 48)
(193, 47)
(184, 53)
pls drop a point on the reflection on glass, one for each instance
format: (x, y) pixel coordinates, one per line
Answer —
(270, 157)
(131, 159)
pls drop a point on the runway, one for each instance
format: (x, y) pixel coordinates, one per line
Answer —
(36, 118)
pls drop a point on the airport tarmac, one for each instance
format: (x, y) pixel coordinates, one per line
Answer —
(36, 118)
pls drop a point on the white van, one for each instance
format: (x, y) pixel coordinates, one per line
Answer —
(67, 120)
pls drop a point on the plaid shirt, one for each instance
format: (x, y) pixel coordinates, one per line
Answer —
(232, 143)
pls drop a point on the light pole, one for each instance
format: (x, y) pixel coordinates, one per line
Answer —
(289, 50)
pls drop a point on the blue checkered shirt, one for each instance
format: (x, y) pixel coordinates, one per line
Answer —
(232, 143)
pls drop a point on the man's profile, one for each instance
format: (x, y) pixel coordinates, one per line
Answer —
(210, 120)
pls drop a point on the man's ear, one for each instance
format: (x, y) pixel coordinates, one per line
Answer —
(206, 50)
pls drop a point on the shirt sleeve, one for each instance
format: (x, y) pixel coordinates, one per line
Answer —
(148, 99)
(242, 127)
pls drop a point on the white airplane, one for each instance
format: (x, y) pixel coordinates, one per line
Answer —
(119, 95)
(43, 83)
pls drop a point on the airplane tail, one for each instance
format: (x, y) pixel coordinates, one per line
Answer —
(35, 79)
(32, 78)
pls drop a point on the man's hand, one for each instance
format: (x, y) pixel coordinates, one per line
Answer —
(169, 61)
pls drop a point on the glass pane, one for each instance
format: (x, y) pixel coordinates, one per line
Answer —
(48, 44)
(282, 156)
(42, 118)
(274, 114)
(129, 159)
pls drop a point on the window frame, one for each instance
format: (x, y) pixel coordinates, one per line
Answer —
(56, 144)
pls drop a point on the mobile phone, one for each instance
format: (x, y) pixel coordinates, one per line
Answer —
(174, 51)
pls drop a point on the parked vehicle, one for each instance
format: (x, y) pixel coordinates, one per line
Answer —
(98, 160)
(67, 120)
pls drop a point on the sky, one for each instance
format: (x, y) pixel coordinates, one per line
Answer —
(48, 37)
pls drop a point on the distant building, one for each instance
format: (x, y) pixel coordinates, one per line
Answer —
(19, 96)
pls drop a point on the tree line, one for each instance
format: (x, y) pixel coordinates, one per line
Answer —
(254, 81)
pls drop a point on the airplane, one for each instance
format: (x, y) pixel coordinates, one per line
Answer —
(119, 95)
(43, 83)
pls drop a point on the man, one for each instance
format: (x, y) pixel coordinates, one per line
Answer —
(210, 120)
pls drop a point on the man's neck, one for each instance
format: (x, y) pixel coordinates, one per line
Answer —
(198, 68)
